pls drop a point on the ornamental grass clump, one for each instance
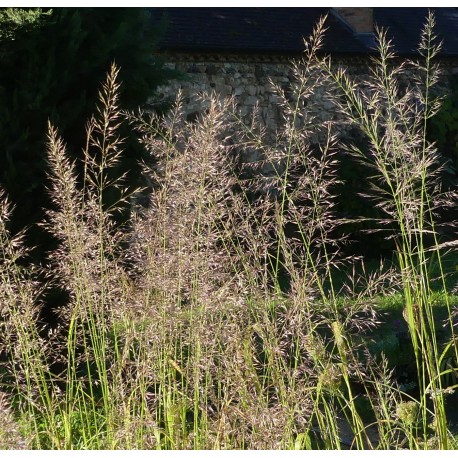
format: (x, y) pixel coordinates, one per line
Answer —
(205, 302)
(24, 364)
(405, 186)
(217, 317)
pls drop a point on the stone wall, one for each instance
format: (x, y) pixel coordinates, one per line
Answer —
(249, 80)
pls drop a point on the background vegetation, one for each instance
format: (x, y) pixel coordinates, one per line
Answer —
(51, 63)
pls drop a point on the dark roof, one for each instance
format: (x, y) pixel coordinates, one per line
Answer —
(281, 30)
(260, 30)
(405, 24)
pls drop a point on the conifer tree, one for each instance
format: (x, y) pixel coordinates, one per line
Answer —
(52, 63)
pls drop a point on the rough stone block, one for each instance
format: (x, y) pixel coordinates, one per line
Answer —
(251, 100)
(251, 90)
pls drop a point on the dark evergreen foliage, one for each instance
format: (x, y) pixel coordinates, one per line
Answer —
(52, 62)
(443, 128)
